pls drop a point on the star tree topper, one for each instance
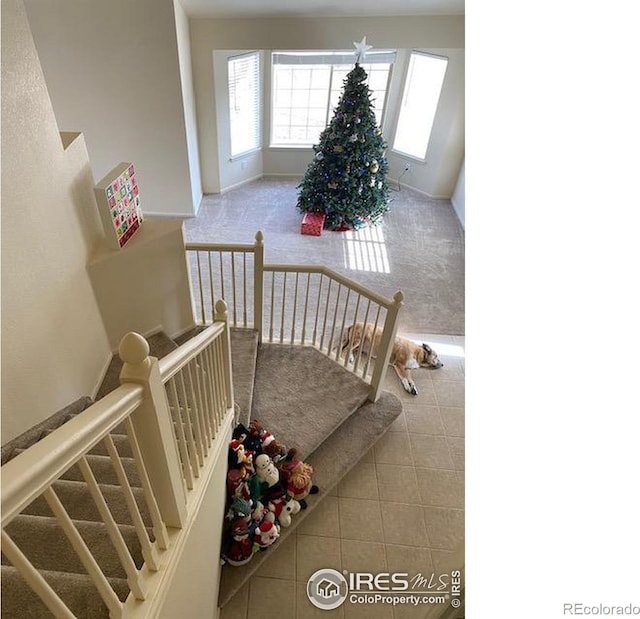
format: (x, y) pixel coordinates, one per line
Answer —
(361, 49)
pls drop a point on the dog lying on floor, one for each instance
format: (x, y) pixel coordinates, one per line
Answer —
(405, 355)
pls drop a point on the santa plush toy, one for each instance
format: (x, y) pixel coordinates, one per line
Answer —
(266, 534)
(240, 548)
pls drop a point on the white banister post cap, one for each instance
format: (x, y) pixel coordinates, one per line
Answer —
(221, 308)
(398, 297)
(133, 349)
(259, 237)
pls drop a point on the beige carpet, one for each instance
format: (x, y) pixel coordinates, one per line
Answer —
(301, 396)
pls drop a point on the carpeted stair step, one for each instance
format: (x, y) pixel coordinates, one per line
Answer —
(47, 547)
(121, 442)
(77, 591)
(301, 396)
(159, 346)
(331, 461)
(244, 352)
(79, 504)
(187, 335)
(103, 471)
(34, 434)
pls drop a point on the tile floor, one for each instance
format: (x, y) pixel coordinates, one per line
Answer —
(400, 510)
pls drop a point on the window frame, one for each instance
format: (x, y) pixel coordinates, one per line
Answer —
(331, 66)
(405, 86)
(258, 103)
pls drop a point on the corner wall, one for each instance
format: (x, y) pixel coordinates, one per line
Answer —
(113, 72)
(54, 345)
(188, 101)
(458, 196)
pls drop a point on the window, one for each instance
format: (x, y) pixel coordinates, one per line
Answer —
(306, 87)
(244, 102)
(419, 102)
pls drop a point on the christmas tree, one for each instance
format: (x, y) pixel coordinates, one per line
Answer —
(347, 179)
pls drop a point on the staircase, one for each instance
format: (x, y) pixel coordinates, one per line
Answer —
(305, 399)
(124, 478)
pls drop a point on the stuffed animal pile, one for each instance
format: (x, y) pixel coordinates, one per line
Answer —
(266, 485)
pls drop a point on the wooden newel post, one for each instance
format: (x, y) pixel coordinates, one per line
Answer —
(153, 427)
(223, 316)
(386, 345)
(258, 283)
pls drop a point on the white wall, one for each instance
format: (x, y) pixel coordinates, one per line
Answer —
(54, 345)
(194, 587)
(145, 286)
(437, 175)
(188, 101)
(441, 34)
(458, 196)
(113, 72)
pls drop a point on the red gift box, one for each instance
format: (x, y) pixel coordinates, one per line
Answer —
(312, 223)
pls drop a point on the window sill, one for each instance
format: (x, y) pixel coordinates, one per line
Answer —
(399, 153)
(290, 147)
(247, 153)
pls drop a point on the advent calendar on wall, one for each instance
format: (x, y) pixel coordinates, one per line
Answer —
(119, 204)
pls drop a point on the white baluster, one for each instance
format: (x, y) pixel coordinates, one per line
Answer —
(258, 283)
(386, 345)
(133, 577)
(34, 579)
(84, 554)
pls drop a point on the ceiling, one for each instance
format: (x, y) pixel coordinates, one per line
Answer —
(320, 8)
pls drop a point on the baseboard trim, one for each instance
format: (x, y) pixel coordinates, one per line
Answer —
(103, 373)
(277, 175)
(396, 182)
(177, 334)
(244, 182)
(152, 215)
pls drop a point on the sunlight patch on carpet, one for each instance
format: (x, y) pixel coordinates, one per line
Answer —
(365, 250)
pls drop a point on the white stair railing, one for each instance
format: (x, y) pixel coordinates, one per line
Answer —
(293, 304)
(232, 272)
(148, 407)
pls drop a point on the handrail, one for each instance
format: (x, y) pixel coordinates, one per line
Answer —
(154, 430)
(170, 364)
(27, 475)
(335, 275)
(239, 247)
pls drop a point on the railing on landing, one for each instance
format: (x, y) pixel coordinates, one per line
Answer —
(292, 303)
(177, 414)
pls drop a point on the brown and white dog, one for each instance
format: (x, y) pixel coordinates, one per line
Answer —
(405, 354)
